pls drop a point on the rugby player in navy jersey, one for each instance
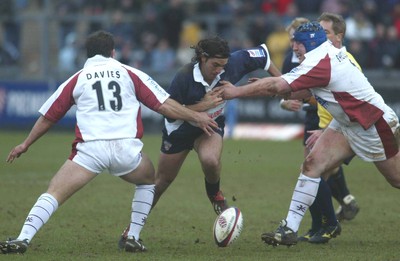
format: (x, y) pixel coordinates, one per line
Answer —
(196, 86)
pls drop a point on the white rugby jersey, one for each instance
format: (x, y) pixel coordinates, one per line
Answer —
(107, 95)
(338, 85)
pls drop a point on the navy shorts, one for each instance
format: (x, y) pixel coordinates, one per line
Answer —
(184, 137)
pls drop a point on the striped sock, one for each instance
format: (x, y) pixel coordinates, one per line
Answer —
(40, 213)
(141, 206)
(303, 196)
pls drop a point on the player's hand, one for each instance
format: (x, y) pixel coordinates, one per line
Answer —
(252, 79)
(315, 134)
(205, 123)
(213, 98)
(229, 90)
(16, 152)
(291, 105)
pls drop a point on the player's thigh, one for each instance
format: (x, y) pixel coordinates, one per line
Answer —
(169, 166)
(69, 179)
(390, 169)
(209, 148)
(143, 174)
(328, 152)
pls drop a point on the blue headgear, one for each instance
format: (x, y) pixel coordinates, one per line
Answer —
(311, 35)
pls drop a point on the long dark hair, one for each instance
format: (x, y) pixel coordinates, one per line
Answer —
(212, 47)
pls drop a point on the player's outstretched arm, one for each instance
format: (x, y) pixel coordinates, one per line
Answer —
(269, 86)
(172, 109)
(41, 126)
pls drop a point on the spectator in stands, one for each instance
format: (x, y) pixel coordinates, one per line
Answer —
(358, 49)
(387, 54)
(308, 7)
(122, 30)
(172, 19)
(66, 25)
(333, 6)
(11, 28)
(375, 45)
(359, 27)
(259, 28)
(396, 17)
(68, 55)
(162, 57)
(278, 43)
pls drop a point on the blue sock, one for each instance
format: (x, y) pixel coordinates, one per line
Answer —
(324, 199)
(316, 216)
(338, 186)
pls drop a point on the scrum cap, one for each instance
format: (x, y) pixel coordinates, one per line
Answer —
(311, 35)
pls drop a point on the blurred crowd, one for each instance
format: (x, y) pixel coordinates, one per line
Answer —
(156, 35)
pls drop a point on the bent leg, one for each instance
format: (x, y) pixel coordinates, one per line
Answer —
(209, 150)
(144, 177)
(329, 151)
(70, 178)
(390, 169)
(167, 170)
(143, 174)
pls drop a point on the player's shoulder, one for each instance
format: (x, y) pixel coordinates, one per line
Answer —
(187, 69)
(251, 52)
(185, 73)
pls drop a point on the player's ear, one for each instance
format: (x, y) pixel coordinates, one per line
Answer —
(340, 37)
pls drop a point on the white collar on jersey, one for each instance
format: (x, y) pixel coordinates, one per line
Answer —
(96, 59)
(198, 77)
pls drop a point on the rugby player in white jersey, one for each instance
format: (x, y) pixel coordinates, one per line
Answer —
(107, 95)
(362, 124)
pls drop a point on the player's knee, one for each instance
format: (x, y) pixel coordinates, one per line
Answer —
(395, 183)
(210, 163)
(150, 178)
(308, 163)
(164, 179)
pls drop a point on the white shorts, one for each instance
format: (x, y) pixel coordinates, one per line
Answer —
(119, 156)
(374, 144)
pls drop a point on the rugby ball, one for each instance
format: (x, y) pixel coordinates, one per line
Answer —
(228, 226)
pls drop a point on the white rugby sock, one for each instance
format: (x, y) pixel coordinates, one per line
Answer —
(303, 196)
(141, 206)
(40, 213)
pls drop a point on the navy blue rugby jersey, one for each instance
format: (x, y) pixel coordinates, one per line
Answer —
(188, 86)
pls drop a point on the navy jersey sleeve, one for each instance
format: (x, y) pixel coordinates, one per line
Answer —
(245, 61)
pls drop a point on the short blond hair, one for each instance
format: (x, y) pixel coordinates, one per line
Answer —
(296, 23)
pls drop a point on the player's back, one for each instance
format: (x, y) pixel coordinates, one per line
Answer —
(107, 106)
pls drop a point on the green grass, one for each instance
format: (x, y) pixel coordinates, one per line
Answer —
(260, 175)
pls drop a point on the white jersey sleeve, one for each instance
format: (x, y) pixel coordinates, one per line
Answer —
(338, 85)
